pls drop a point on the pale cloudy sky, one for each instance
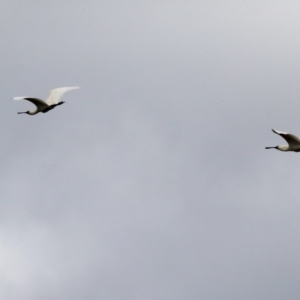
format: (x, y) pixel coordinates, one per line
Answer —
(151, 181)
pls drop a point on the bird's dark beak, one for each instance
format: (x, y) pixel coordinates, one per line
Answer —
(25, 112)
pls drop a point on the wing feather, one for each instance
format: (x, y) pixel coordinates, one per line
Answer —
(36, 101)
(56, 94)
(290, 138)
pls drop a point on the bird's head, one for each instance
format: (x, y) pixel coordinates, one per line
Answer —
(282, 147)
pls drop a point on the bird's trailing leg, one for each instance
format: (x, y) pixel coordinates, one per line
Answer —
(61, 102)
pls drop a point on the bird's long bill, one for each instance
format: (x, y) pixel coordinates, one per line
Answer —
(270, 147)
(24, 112)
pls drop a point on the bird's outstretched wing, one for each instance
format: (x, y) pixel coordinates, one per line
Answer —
(56, 94)
(40, 104)
(290, 138)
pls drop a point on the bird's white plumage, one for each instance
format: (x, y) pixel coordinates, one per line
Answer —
(19, 98)
(56, 94)
(279, 132)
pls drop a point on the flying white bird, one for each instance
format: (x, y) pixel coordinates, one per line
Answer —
(293, 142)
(50, 103)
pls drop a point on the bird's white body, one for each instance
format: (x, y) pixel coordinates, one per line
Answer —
(292, 140)
(51, 102)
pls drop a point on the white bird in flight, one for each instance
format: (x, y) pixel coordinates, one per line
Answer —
(292, 140)
(50, 103)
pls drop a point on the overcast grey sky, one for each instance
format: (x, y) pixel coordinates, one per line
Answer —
(151, 181)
